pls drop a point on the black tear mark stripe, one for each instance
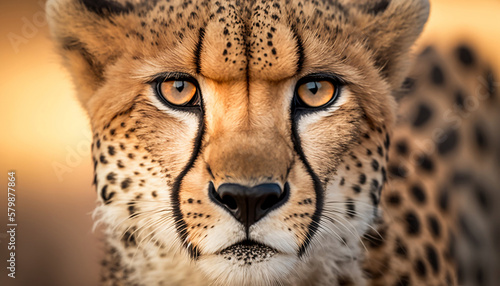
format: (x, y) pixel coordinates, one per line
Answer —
(197, 52)
(180, 224)
(300, 49)
(313, 226)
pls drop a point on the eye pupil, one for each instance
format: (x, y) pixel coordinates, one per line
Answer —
(179, 85)
(313, 86)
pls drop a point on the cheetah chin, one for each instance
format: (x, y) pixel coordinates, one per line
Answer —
(248, 263)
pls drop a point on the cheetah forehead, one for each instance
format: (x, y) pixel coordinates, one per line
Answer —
(256, 42)
(234, 40)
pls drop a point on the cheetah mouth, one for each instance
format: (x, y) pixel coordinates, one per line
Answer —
(248, 251)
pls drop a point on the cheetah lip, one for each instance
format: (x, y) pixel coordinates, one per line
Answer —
(248, 247)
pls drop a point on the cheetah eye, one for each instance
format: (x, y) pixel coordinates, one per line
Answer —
(315, 93)
(178, 92)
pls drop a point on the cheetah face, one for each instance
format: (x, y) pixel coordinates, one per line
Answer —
(245, 139)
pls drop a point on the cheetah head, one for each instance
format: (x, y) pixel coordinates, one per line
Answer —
(243, 139)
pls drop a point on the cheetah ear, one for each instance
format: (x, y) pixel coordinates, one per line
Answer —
(391, 28)
(87, 34)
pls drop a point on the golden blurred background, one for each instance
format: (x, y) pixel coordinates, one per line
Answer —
(45, 139)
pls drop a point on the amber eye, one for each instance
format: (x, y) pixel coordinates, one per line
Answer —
(316, 93)
(178, 92)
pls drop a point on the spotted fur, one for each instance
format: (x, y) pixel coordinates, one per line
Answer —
(368, 205)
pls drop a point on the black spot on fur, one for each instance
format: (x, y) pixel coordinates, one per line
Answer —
(132, 209)
(418, 193)
(107, 8)
(434, 227)
(111, 177)
(111, 150)
(387, 141)
(357, 189)
(480, 136)
(402, 147)
(425, 163)
(432, 258)
(424, 114)
(102, 159)
(437, 75)
(120, 164)
(412, 223)
(362, 179)
(465, 55)
(380, 151)
(128, 238)
(394, 199)
(126, 183)
(448, 141)
(375, 165)
(420, 268)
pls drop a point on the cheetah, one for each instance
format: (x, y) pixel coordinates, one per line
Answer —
(284, 143)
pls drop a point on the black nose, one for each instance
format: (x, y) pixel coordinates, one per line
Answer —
(249, 204)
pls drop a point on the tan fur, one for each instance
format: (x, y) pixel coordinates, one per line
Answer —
(154, 163)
